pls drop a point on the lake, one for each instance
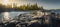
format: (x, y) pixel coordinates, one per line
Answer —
(11, 14)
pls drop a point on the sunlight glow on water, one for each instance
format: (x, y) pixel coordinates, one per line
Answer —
(6, 15)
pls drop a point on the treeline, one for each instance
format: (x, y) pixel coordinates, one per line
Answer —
(22, 7)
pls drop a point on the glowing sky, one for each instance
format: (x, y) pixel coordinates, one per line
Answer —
(47, 4)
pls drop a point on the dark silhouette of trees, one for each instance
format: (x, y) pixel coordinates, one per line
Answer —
(31, 7)
(22, 7)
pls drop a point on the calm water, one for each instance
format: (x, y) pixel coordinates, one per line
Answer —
(11, 14)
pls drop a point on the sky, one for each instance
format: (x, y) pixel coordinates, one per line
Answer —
(47, 4)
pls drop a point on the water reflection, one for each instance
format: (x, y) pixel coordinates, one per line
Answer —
(6, 15)
(10, 15)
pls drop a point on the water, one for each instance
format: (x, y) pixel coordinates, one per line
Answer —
(10, 14)
(14, 13)
(56, 11)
